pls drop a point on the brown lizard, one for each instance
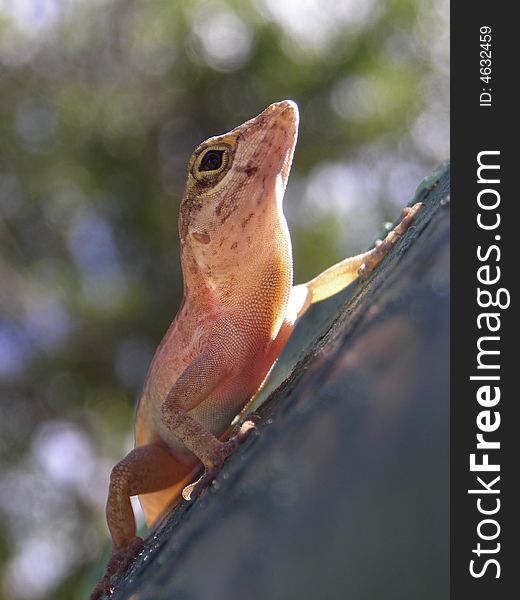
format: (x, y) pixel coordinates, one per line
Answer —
(238, 311)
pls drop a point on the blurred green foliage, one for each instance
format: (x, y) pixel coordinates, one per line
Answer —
(101, 104)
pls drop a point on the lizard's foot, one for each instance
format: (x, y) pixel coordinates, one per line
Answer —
(383, 247)
(238, 435)
(117, 563)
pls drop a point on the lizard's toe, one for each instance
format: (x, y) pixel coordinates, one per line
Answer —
(194, 489)
(238, 435)
(118, 562)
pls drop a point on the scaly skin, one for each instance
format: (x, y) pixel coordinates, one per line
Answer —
(238, 311)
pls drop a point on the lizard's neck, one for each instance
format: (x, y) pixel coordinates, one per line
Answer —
(242, 279)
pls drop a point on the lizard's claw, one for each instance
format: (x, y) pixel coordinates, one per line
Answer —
(194, 489)
(238, 435)
(118, 562)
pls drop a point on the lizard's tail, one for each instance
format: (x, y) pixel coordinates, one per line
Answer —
(156, 504)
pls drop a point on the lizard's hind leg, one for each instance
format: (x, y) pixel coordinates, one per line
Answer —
(145, 469)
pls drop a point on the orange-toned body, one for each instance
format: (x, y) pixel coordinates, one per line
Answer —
(236, 291)
(238, 311)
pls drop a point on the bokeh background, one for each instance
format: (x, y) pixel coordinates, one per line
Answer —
(101, 104)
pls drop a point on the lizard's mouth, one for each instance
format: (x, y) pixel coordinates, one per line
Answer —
(280, 131)
(268, 141)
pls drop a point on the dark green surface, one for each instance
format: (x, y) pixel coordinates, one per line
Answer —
(343, 490)
(319, 318)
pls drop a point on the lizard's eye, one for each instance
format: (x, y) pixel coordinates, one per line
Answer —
(212, 163)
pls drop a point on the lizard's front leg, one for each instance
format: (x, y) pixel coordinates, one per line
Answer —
(145, 469)
(337, 277)
(209, 449)
(198, 382)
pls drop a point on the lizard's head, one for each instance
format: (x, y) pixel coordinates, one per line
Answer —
(236, 183)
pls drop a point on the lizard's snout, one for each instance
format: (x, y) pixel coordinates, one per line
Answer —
(286, 109)
(280, 136)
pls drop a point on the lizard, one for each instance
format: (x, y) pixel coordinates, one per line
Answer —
(238, 310)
